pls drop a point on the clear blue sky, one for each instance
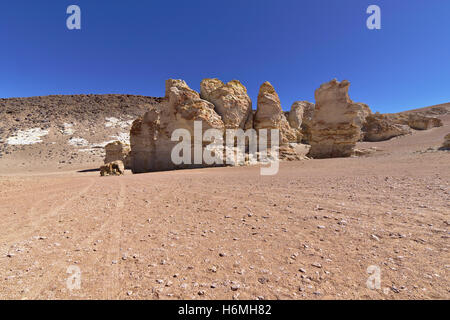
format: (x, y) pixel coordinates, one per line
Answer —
(134, 46)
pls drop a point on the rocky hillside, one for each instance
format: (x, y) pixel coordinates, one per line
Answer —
(65, 130)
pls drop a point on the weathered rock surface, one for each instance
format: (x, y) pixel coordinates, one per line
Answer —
(300, 118)
(363, 113)
(295, 116)
(446, 144)
(150, 136)
(270, 115)
(249, 124)
(379, 127)
(118, 151)
(294, 151)
(115, 168)
(230, 101)
(336, 124)
(419, 122)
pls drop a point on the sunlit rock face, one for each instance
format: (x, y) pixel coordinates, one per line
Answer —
(270, 115)
(150, 136)
(336, 124)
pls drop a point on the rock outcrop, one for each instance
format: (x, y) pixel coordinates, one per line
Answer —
(336, 124)
(419, 122)
(300, 118)
(150, 135)
(294, 151)
(379, 127)
(446, 144)
(230, 101)
(363, 113)
(270, 115)
(115, 168)
(118, 151)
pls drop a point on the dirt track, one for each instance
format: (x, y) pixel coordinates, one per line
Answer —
(310, 232)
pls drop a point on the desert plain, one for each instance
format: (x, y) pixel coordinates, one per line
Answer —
(309, 232)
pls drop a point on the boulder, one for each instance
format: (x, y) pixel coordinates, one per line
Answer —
(270, 115)
(419, 122)
(114, 168)
(294, 152)
(379, 127)
(150, 135)
(118, 151)
(336, 124)
(230, 101)
(446, 144)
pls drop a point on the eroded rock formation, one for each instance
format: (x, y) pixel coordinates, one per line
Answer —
(230, 101)
(379, 127)
(300, 118)
(118, 151)
(419, 122)
(150, 135)
(336, 124)
(446, 144)
(270, 115)
(332, 126)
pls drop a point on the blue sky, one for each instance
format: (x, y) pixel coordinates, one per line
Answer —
(134, 46)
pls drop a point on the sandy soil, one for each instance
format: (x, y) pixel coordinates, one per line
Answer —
(309, 232)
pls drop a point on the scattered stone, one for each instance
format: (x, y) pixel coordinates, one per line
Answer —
(235, 286)
(375, 237)
(263, 280)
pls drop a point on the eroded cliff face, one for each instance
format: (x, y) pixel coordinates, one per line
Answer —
(336, 124)
(150, 137)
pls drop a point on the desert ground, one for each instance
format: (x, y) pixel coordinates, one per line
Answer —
(309, 232)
